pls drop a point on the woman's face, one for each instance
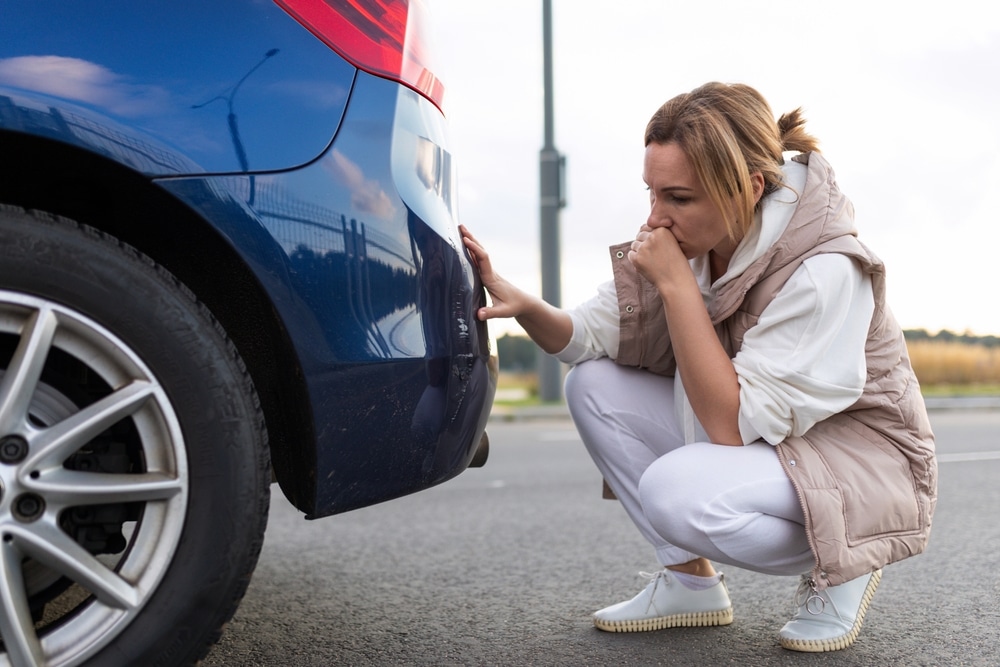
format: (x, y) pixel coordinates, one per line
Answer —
(679, 202)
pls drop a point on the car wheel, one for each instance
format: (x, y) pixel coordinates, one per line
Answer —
(134, 472)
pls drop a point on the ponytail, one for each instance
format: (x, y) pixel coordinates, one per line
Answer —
(792, 131)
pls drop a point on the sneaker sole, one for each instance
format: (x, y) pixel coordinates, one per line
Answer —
(694, 620)
(845, 640)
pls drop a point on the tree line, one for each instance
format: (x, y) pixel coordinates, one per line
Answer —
(518, 354)
(945, 336)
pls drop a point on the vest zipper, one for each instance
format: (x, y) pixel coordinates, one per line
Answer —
(817, 572)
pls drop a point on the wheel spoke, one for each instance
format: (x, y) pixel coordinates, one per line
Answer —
(53, 548)
(17, 387)
(54, 445)
(16, 626)
(67, 488)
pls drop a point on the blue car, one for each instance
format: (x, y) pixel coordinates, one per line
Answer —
(229, 258)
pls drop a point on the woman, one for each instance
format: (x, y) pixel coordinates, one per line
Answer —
(741, 383)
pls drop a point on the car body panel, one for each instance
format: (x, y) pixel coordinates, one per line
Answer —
(231, 86)
(400, 347)
(341, 211)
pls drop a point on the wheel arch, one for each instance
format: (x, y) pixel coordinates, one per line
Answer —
(93, 190)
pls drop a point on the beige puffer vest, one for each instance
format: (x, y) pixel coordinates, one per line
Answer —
(867, 477)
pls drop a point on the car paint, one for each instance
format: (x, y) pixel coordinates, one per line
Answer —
(330, 189)
(192, 78)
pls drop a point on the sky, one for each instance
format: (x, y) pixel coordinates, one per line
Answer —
(903, 96)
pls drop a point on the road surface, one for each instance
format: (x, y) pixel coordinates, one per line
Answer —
(504, 565)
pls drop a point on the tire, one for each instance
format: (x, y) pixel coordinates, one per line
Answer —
(134, 471)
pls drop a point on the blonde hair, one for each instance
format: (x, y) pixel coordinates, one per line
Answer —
(728, 132)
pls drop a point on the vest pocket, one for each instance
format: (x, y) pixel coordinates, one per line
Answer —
(873, 479)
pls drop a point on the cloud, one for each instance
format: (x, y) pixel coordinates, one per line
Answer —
(81, 81)
(313, 94)
(366, 195)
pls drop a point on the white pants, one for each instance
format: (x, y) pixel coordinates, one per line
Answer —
(732, 505)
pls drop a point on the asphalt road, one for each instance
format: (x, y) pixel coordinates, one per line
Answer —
(504, 565)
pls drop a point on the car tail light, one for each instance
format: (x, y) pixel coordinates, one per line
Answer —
(382, 37)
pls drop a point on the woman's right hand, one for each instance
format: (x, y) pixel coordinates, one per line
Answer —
(508, 300)
(550, 327)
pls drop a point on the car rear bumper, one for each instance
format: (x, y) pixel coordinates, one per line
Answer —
(360, 255)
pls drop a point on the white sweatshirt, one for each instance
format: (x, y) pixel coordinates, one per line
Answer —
(804, 360)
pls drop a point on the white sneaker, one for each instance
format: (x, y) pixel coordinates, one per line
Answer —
(666, 603)
(828, 620)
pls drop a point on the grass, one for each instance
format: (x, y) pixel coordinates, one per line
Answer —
(517, 389)
(956, 366)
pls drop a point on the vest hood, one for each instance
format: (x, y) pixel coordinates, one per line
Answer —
(823, 214)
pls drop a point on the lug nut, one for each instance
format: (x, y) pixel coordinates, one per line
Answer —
(13, 449)
(28, 507)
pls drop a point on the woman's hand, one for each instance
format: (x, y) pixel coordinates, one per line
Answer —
(508, 300)
(550, 327)
(659, 259)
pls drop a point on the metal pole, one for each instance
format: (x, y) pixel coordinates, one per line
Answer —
(551, 166)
